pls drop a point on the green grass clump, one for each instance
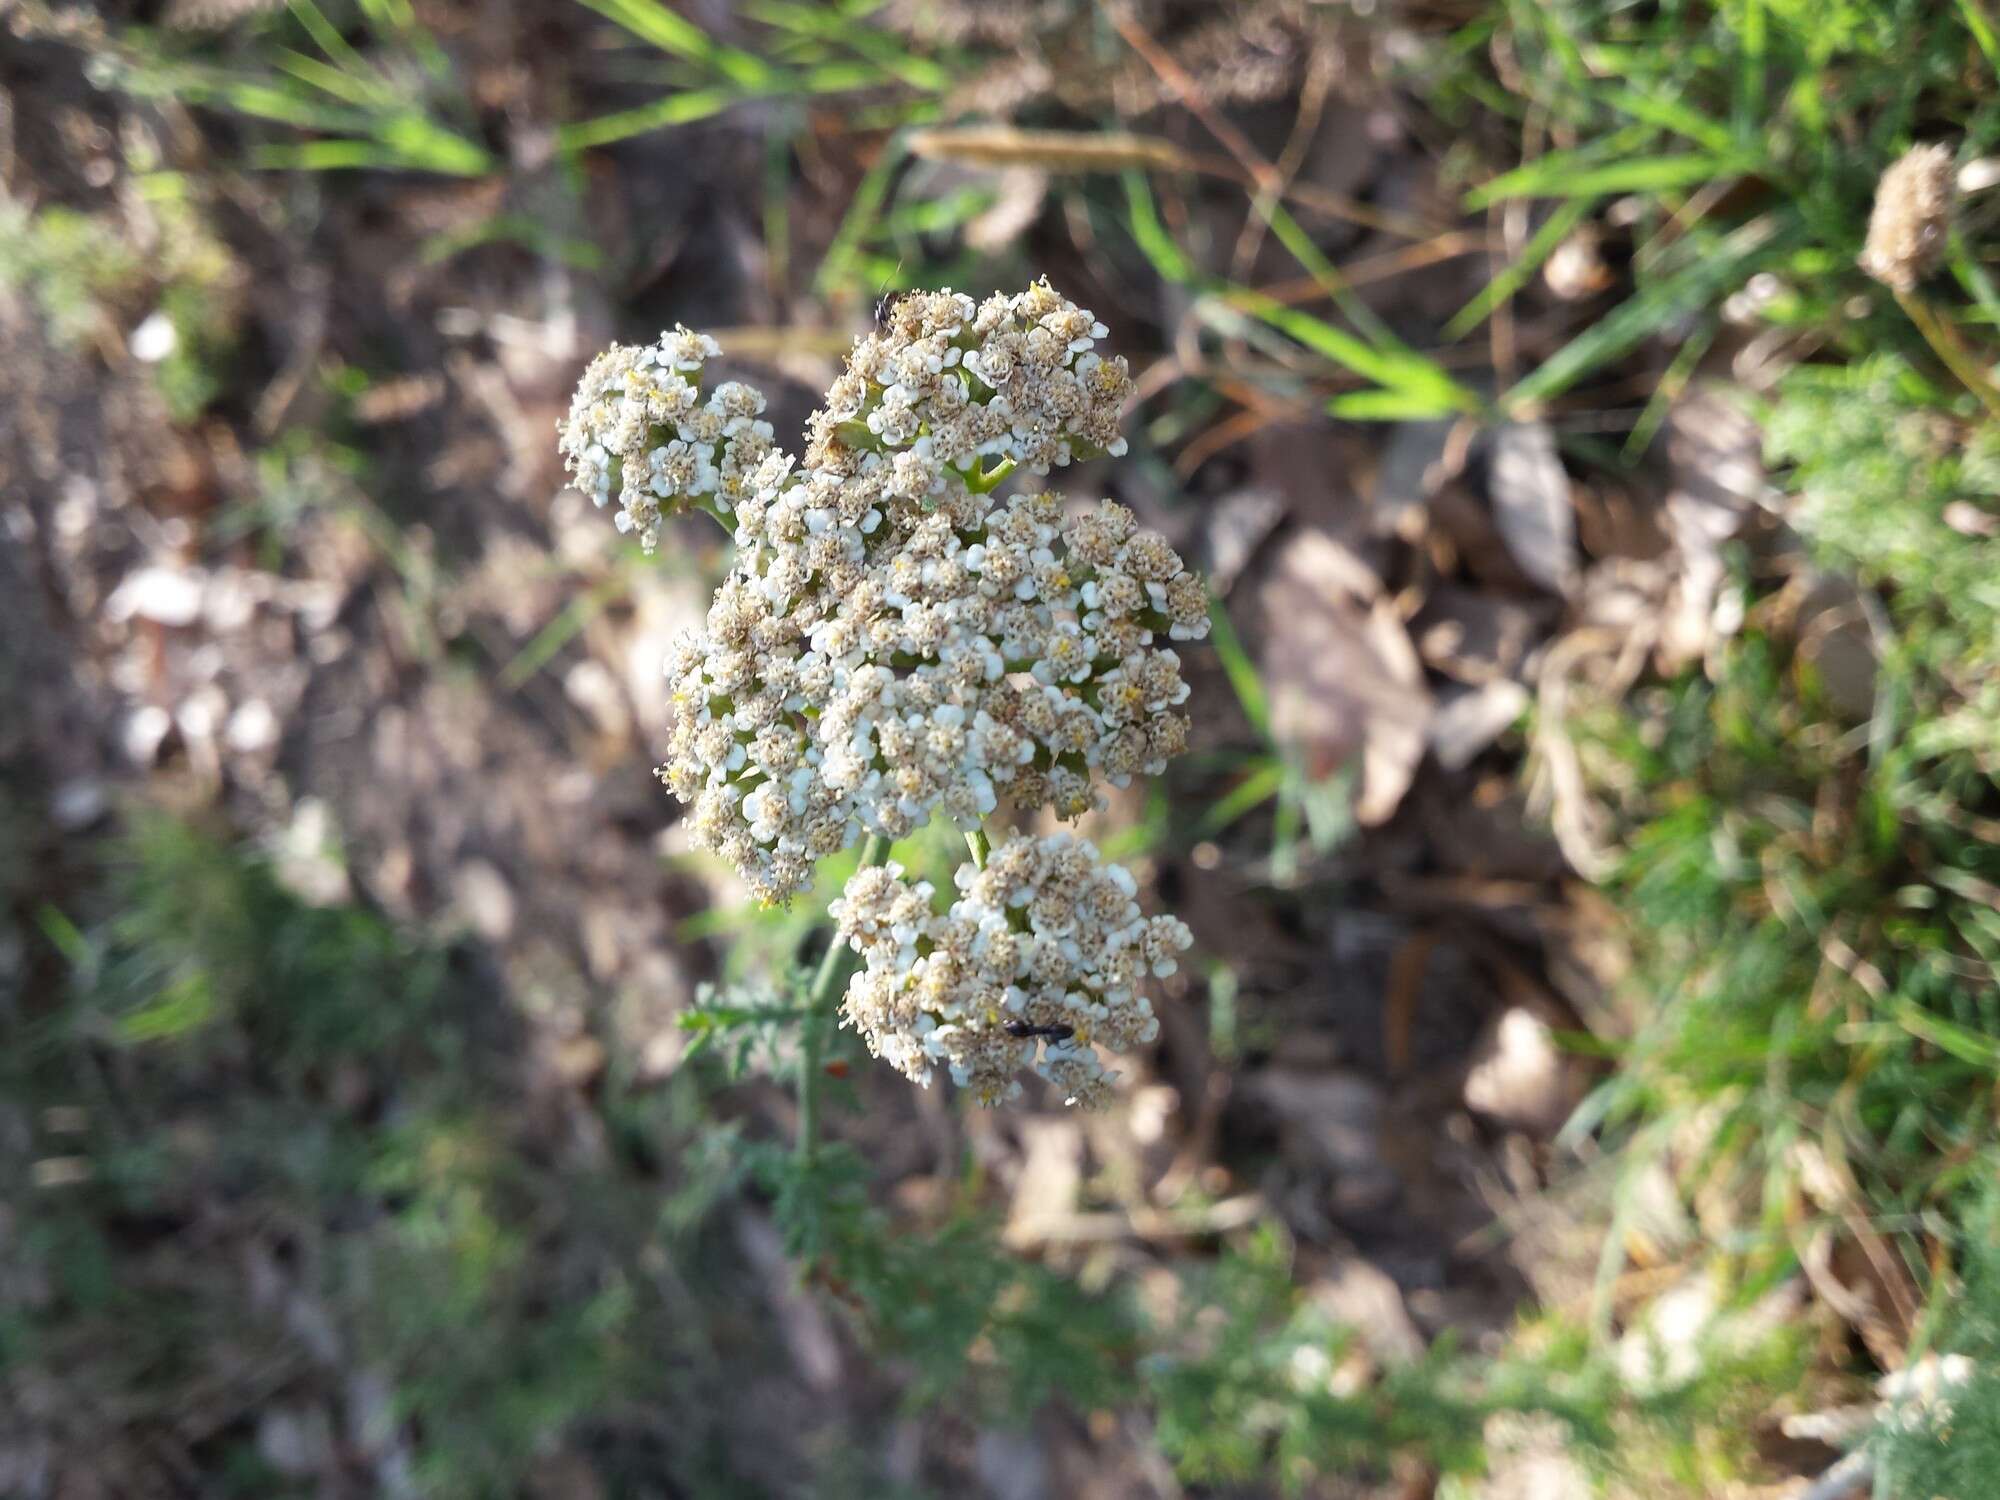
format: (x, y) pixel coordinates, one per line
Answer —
(88, 285)
(1816, 948)
(232, 1073)
(1897, 485)
(1732, 140)
(1812, 887)
(1949, 1449)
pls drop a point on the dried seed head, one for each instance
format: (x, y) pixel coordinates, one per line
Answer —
(1907, 231)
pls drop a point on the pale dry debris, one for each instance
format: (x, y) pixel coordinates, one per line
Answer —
(1036, 965)
(1907, 231)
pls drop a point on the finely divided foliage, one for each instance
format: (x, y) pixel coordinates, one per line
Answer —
(891, 640)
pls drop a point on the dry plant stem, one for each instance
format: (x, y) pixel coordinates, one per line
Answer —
(1076, 151)
(819, 1017)
(1270, 185)
(1951, 349)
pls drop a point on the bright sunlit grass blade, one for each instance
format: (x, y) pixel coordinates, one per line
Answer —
(1983, 30)
(674, 33)
(1386, 406)
(265, 101)
(428, 146)
(1420, 382)
(1553, 177)
(681, 108)
(1142, 218)
(363, 91)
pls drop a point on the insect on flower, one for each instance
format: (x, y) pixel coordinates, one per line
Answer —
(1026, 1029)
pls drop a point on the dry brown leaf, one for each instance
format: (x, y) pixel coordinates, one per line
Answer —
(1237, 526)
(1418, 458)
(1471, 718)
(1714, 454)
(1478, 636)
(1530, 491)
(1345, 683)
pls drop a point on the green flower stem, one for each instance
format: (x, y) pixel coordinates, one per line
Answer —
(819, 1018)
(980, 845)
(982, 480)
(1950, 348)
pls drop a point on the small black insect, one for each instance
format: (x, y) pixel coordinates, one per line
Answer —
(1055, 1033)
(888, 299)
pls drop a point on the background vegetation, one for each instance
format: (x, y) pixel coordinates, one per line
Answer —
(1588, 1080)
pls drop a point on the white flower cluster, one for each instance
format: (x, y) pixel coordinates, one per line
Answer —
(1035, 965)
(948, 381)
(640, 427)
(892, 641)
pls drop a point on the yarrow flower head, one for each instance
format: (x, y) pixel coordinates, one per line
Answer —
(1036, 965)
(892, 640)
(642, 428)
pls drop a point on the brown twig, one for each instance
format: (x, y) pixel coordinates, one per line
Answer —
(1312, 105)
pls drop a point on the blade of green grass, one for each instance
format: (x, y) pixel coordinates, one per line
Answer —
(560, 631)
(841, 77)
(1672, 114)
(673, 109)
(1686, 358)
(859, 221)
(1715, 270)
(426, 144)
(1514, 275)
(1142, 218)
(1384, 406)
(827, 24)
(1755, 36)
(265, 101)
(1424, 383)
(1241, 671)
(326, 36)
(365, 92)
(1983, 32)
(1947, 1036)
(336, 155)
(1252, 792)
(674, 33)
(1554, 177)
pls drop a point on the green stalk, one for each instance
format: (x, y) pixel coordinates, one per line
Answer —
(1945, 342)
(983, 481)
(814, 1032)
(980, 845)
